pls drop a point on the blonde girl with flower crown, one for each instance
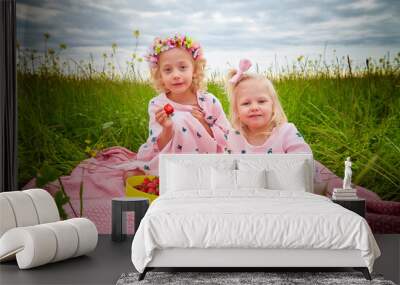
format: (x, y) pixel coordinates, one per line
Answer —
(184, 118)
(259, 122)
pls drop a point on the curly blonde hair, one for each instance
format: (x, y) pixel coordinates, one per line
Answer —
(198, 82)
(278, 115)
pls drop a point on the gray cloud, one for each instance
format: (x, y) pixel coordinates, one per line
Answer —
(218, 25)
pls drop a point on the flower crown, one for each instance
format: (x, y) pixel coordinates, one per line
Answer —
(161, 45)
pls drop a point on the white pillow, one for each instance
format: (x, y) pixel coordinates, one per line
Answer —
(223, 178)
(292, 179)
(251, 178)
(281, 174)
(183, 177)
(223, 163)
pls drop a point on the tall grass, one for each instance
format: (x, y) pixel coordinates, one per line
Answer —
(69, 110)
(357, 117)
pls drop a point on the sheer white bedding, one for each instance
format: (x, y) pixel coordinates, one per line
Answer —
(250, 218)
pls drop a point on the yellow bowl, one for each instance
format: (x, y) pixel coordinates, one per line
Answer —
(131, 191)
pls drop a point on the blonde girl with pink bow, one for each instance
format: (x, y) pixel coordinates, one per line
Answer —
(259, 121)
(261, 126)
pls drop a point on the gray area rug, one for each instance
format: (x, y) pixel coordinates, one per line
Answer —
(229, 278)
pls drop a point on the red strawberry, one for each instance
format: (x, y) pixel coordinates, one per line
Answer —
(146, 180)
(168, 109)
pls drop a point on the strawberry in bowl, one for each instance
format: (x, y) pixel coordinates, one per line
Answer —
(146, 186)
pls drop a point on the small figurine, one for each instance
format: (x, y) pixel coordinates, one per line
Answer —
(347, 174)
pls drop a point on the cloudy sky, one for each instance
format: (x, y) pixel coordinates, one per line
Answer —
(271, 33)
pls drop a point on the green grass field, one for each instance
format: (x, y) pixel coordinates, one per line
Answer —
(63, 119)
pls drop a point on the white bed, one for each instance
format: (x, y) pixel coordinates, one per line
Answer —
(218, 210)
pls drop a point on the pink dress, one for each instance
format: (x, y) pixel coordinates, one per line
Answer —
(102, 176)
(283, 139)
(190, 136)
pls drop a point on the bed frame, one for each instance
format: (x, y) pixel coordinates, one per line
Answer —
(241, 259)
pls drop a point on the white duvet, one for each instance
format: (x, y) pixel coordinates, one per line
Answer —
(251, 218)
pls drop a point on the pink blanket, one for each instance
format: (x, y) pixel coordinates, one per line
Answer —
(101, 183)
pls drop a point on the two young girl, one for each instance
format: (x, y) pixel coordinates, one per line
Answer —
(184, 118)
(198, 124)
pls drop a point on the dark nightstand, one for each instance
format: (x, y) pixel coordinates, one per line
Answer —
(126, 204)
(356, 205)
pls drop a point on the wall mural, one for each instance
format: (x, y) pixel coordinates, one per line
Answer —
(90, 113)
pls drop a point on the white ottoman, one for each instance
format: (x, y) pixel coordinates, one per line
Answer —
(31, 232)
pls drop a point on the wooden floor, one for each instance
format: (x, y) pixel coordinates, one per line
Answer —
(111, 259)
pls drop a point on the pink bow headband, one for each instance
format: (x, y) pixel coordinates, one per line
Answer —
(244, 65)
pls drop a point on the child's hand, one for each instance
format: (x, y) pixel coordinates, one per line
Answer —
(163, 119)
(199, 114)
